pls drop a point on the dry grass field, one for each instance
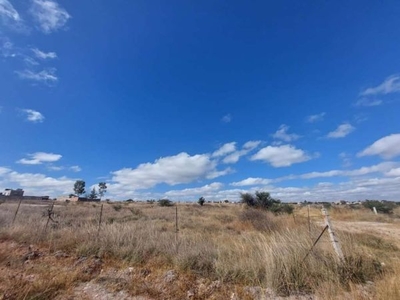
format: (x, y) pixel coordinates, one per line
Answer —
(221, 251)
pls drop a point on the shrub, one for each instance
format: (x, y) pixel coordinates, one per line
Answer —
(165, 202)
(117, 207)
(383, 207)
(201, 201)
(261, 220)
(281, 208)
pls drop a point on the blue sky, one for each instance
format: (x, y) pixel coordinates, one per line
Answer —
(183, 99)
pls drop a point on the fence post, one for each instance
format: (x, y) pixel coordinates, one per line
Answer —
(334, 241)
(309, 221)
(101, 215)
(49, 213)
(16, 212)
(176, 229)
(374, 209)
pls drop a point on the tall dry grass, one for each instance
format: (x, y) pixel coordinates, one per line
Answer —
(238, 246)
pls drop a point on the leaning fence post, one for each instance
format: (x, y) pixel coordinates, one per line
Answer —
(101, 215)
(334, 241)
(374, 209)
(309, 221)
(16, 212)
(176, 228)
(49, 213)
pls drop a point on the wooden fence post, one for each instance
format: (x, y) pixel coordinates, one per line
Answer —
(176, 229)
(49, 214)
(16, 212)
(374, 209)
(334, 241)
(309, 221)
(101, 215)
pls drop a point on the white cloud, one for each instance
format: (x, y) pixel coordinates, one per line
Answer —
(390, 85)
(49, 15)
(227, 118)
(216, 173)
(225, 149)
(281, 156)
(251, 145)
(75, 168)
(195, 192)
(252, 181)
(172, 170)
(315, 118)
(37, 184)
(39, 158)
(46, 76)
(33, 115)
(7, 11)
(368, 102)
(393, 172)
(281, 134)
(346, 159)
(235, 156)
(386, 147)
(43, 55)
(379, 168)
(342, 131)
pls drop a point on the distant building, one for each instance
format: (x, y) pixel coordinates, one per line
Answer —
(13, 193)
(74, 198)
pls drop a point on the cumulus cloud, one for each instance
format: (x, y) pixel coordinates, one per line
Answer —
(227, 118)
(36, 183)
(43, 55)
(386, 147)
(342, 131)
(234, 157)
(45, 76)
(368, 102)
(225, 149)
(7, 11)
(49, 15)
(172, 170)
(251, 145)
(75, 168)
(195, 192)
(33, 115)
(39, 158)
(281, 156)
(252, 181)
(393, 172)
(390, 85)
(281, 134)
(315, 118)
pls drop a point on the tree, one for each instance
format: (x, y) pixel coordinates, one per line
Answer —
(201, 201)
(102, 189)
(165, 202)
(264, 200)
(93, 194)
(248, 199)
(79, 187)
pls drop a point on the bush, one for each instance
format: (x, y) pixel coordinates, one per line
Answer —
(165, 202)
(201, 201)
(261, 220)
(265, 201)
(117, 207)
(281, 208)
(382, 207)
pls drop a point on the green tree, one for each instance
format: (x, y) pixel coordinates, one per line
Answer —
(201, 201)
(79, 187)
(264, 200)
(93, 194)
(248, 199)
(102, 189)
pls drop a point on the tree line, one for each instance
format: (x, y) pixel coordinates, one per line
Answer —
(79, 190)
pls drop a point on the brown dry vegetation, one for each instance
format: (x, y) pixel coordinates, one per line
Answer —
(221, 251)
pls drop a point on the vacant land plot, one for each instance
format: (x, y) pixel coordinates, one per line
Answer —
(219, 251)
